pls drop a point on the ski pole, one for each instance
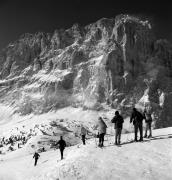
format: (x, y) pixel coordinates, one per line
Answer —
(95, 139)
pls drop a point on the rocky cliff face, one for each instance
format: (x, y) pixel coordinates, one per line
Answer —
(117, 62)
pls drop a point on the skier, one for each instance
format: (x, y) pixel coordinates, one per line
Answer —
(36, 156)
(83, 134)
(148, 121)
(62, 145)
(118, 122)
(24, 140)
(3, 140)
(11, 141)
(137, 119)
(101, 126)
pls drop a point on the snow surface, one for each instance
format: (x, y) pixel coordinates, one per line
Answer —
(97, 60)
(54, 76)
(151, 159)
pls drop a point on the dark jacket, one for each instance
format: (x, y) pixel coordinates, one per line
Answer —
(118, 121)
(36, 155)
(61, 143)
(136, 117)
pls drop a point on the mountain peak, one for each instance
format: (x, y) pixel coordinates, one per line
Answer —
(108, 61)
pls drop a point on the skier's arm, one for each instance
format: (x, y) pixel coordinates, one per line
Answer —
(104, 124)
(113, 119)
(131, 118)
(122, 120)
(144, 114)
(57, 143)
(151, 118)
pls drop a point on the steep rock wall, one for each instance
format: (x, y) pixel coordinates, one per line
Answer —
(115, 61)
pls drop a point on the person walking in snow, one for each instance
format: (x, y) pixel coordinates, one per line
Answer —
(148, 121)
(137, 119)
(118, 122)
(62, 145)
(83, 134)
(11, 141)
(36, 156)
(101, 127)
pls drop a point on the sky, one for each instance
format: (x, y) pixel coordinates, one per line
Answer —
(30, 16)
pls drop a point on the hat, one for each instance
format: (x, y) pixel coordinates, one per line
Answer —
(116, 112)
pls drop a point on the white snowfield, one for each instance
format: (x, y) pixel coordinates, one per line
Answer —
(148, 160)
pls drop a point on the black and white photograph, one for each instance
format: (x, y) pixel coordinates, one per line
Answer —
(85, 90)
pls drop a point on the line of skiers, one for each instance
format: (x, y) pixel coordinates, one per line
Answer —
(136, 118)
(61, 144)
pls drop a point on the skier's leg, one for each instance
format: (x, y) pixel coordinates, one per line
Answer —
(119, 135)
(146, 130)
(103, 134)
(84, 139)
(135, 130)
(150, 129)
(141, 131)
(100, 140)
(36, 161)
(117, 139)
(116, 136)
(61, 152)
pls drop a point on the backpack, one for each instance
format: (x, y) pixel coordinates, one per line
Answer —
(138, 117)
(147, 116)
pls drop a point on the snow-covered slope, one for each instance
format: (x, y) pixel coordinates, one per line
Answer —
(151, 159)
(51, 125)
(51, 84)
